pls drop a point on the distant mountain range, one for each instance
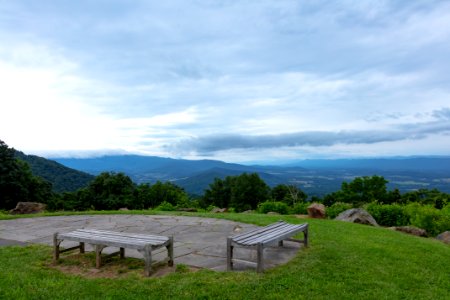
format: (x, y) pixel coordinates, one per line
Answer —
(63, 179)
(315, 177)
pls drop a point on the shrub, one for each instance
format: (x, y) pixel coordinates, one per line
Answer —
(388, 214)
(300, 208)
(446, 210)
(268, 206)
(433, 220)
(335, 209)
(165, 206)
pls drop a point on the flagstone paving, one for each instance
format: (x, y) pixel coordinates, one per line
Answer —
(199, 242)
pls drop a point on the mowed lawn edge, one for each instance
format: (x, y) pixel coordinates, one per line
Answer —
(344, 261)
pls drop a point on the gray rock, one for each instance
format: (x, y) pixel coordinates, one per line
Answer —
(28, 208)
(316, 211)
(411, 230)
(187, 209)
(444, 237)
(357, 215)
(273, 213)
(219, 210)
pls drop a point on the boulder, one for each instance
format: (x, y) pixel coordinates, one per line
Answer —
(187, 209)
(316, 211)
(28, 208)
(273, 213)
(219, 210)
(411, 230)
(444, 237)
(357, 215)
(123, 209)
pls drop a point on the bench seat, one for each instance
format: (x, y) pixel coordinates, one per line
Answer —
(101, 239)
(263, 237)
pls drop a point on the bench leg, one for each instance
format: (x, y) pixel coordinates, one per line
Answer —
(229, 255)
(56, 243)
(81, 247)
(280, 243)
(98, 255)
(147, 253)
(122, 253)
(170, 251)
(259, 258)
(305, 234)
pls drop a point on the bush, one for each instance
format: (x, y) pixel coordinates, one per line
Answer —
(388, 214)
(268, 206)
(446, 210)
(165, 206)
(300, 208)
(433, 220)
(335, 209)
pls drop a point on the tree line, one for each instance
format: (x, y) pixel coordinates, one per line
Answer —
(111, 191)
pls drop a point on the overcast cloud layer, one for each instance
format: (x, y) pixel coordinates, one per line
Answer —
(231, 80)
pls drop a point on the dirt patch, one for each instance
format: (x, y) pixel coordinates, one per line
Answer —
(113, 267)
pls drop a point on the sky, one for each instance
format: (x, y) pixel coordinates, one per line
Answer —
(238, 81)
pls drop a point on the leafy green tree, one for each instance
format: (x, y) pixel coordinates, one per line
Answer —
(427, 197)
(143, 197)
(111, 191)
(219, 192)
(288, 194)
(166, 192)
(17, 183)
(364, 189)
(242, 192)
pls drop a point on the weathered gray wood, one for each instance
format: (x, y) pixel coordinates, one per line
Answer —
(259, 258)
(101, 239)
(170, 251)
(69, 249)
(56, 244)
(229, 255)
(260, 238)
(98, 255)
(119, 240)
(252, 263)
(147, 254)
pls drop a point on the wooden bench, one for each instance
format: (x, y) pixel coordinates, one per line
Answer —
(260, 238)
(101, 239)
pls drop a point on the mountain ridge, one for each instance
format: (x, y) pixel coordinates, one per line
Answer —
(316, 177)
(62, 178)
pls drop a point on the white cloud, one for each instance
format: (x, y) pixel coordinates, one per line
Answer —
(141, 77)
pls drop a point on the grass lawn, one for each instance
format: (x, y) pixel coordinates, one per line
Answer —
(344, 261)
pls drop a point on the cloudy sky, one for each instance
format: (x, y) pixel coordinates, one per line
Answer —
(238, 81)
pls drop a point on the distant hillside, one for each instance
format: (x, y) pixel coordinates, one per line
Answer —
(147, 168)
(315, 177)
(385, 164)
(63, 179)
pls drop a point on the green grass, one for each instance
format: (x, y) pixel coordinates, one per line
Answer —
(344, 261)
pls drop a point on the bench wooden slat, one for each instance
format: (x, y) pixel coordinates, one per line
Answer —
(99, 240)
(265, 236)
(259, 238)
(115, 238)
(262, 232)
(273, 235)
(102, 238)
(252, 232)
(135, 235)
